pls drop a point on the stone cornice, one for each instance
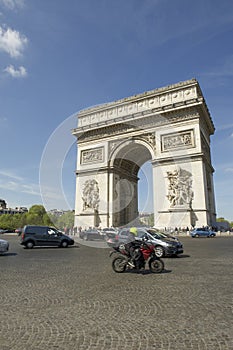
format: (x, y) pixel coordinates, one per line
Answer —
(135, 126)
(157, 101)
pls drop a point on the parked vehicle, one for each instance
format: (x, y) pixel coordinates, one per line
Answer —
(44, 236)
(109, 232)
(91, 234)
(202, 232)
(4, 246)
(5, 231)
(146, 251)
(164, 244)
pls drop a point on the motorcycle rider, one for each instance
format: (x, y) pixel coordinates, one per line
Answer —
(131, 245)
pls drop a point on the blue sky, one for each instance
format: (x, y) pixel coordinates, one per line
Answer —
(58, 57)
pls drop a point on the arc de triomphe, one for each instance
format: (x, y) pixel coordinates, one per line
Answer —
(171, 128)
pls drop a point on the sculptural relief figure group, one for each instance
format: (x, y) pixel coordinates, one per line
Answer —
(90, 195)
(180, 187)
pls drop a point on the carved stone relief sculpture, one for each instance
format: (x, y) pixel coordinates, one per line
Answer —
(90, 195)
(180, 191)
(177, 140)
(92, 155)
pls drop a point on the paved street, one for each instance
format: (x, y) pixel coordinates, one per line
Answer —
(53, 298)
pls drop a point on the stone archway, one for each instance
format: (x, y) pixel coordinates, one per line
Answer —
(125, 162)
(171, 127)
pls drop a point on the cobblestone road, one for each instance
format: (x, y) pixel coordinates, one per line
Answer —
(53, 298)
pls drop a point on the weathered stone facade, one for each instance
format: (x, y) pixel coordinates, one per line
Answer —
(170, 127)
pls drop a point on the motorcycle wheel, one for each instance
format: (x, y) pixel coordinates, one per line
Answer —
(156, 265)
(119, 264)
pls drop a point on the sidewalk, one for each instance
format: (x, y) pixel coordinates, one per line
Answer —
(93, 244)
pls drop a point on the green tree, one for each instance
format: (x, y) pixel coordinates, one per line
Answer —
(151, 220)
(65, 220)
(37, 216)
(221, 219)
(6, 221)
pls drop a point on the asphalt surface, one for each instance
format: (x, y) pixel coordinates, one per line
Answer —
(54, 298)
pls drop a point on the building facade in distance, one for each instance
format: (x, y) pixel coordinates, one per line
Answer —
(5, 210)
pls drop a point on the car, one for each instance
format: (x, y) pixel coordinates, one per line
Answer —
(165, 245)
(33, 235)
(202, 232)
(5, 231)
(109, 232)
(4, 246)
(91, 234)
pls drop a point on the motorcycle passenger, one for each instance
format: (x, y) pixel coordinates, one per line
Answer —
(131, 245)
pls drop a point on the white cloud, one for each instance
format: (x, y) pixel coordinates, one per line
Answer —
(9, 174)
(12, 4)
(10, 181)
(225, 69)
(16, 73)
(18, 187)
(12, 42)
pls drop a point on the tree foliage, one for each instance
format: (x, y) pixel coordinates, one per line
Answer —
(222, 219)
(35, 216)
(65, 220)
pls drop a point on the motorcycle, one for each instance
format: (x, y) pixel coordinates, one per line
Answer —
(145, 254)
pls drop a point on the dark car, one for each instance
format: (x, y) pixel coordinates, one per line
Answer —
(165, 245)
(91, 234)
(44, 236)
(202, 232)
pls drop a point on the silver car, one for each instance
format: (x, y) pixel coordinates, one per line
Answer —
(165, 245)
(4, 246)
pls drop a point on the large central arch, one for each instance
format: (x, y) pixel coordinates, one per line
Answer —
(171, 128)
(125, 163)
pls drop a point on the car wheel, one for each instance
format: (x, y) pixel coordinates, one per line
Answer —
(29, 245)
(196, 235)
(212, 236)
(159, 252)
(85, 238)
(64, 244)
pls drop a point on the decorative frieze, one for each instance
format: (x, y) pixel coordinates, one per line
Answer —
(92, 155)
(157, 99)
(135, 125)
(184, 139)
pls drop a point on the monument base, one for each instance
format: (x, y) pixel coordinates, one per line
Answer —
(175, 218)
(91, 219)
